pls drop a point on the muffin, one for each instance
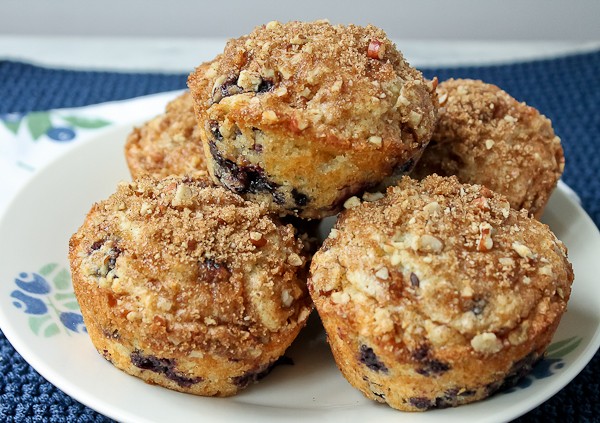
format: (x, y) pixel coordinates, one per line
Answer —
(303, 115)
(188, 286)
(168, 144)
(484, 136)
(438, 294)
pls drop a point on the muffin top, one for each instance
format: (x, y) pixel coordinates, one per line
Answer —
(193, 267)
(168, 144)
(345, 85)
(485, 136)
(442, 264)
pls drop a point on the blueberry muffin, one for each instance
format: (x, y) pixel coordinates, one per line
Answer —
(438, 294)
(189, 286)
(484, 136)
(168, 144)
(303, 115)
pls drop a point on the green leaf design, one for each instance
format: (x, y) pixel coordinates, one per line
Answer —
(562, 348)
(71, 305)
(36, 322)
(86, 123)
(61, 296)
(557, 345)
(47, 269)
(51, 330)
(12, 125)
(38, 124)
(62, 280)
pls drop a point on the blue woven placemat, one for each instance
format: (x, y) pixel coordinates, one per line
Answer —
(566, 89)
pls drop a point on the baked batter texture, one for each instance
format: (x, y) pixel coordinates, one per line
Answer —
(484, 136)
(188, 286)
(303, 115)
(438, 294)
(168, 144)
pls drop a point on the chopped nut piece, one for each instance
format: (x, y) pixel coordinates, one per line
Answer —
(485, 242)
(415, 118)
(442, 97)
(273, 24)
(183, 196)
(429, 243)
(305, 92)
(281, 91)
(249, 80)
(145, 209)
(376, 49)
(299, 39)
(522, 250)
(352, 202)
(546, 270)
(432, 208)
(375, 140)
(164, 304)
(269, 116)
(295, 260)
(467, 292)
(383, 321)
(257, 239)
(489, 144)
(383, 273)
(268, 73)
(486, 343)
(372, 196)
(402, 101)
(340, 297)
(286, 298)
(482, 203)
(337, 85)
(286, 72)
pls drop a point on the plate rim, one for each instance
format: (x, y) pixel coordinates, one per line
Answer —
(106, 408)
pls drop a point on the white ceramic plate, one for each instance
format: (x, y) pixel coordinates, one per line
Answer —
(39, 316)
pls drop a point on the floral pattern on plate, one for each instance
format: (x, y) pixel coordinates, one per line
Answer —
(47, 298)
(54, 125)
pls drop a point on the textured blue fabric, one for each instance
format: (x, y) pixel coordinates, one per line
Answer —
(567, 90)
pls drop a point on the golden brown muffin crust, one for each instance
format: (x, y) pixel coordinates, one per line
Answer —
(168, 144)
(313, 109)
(443, 285)
(485, 136)
(182, 271)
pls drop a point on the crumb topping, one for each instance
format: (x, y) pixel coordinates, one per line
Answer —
(485, 136)
(450, 264)
(194, 266)
(347, 83)
(169, 144)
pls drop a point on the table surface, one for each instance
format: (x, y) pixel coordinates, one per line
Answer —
(179, 55)
(183, 54)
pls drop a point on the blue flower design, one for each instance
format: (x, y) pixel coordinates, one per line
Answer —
(47, 297)
(61, 134)
(550, 364)
(32, 305)
(72, 321)
(36, 285)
